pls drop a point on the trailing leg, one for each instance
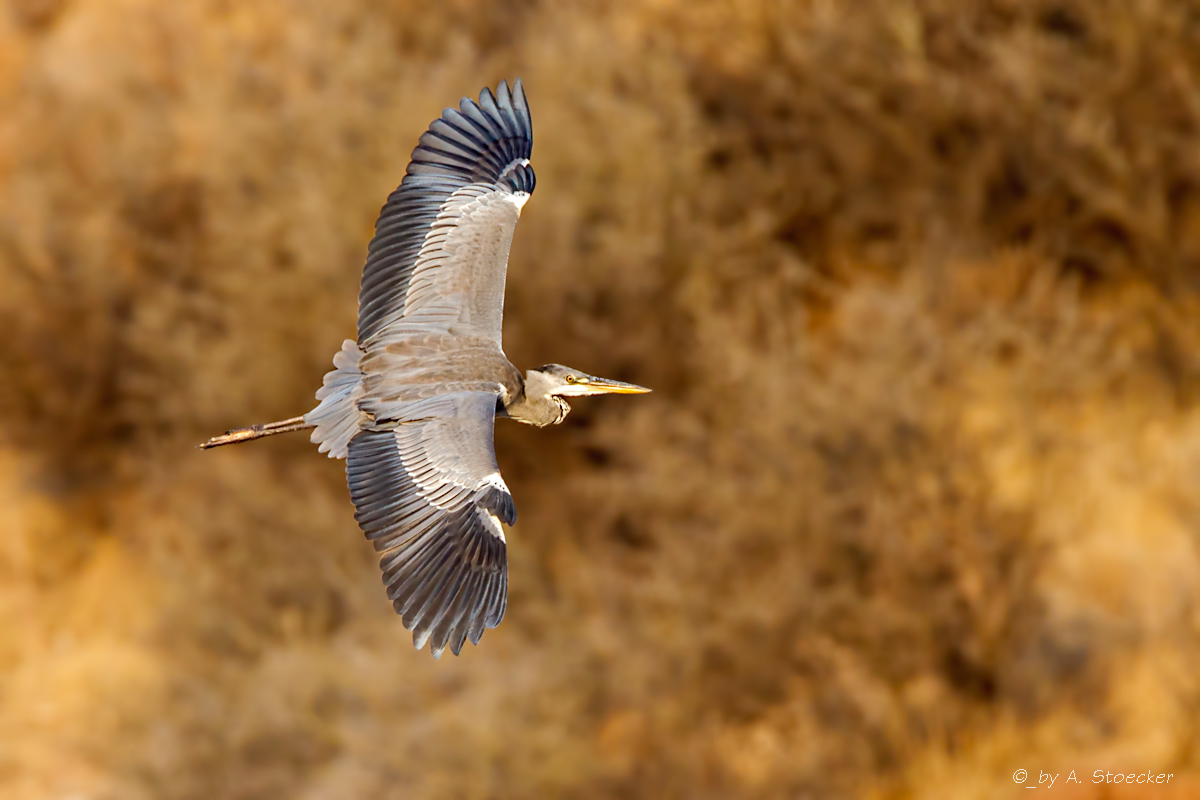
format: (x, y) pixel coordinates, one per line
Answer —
(239, 435)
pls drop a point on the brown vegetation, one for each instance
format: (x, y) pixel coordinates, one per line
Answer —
(913, 505)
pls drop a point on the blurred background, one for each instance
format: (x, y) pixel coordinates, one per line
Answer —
(913, 506)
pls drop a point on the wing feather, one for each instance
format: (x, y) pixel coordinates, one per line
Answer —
(482, 148)
(462, 621)
(429, 494)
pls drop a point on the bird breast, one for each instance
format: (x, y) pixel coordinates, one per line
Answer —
(428, 364)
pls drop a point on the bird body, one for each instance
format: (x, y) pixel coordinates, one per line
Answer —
(411, 404)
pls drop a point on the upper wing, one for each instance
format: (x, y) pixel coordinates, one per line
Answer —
(440, 250)
(428, 492)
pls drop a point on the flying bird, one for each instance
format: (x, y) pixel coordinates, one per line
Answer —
(411, 404)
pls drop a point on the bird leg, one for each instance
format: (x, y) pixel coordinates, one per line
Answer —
(239, 435)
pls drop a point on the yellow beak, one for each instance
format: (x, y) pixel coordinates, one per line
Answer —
(605, 386)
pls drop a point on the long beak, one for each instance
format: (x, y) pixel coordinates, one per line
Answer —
(605, 386)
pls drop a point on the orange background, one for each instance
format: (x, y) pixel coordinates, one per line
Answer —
(913, 505)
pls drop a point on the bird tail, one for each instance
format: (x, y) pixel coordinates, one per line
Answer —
(337, 417)
(238, 435)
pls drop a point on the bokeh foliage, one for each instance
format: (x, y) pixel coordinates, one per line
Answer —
(913, 504)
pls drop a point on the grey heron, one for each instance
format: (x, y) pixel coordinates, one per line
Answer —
(411, 404)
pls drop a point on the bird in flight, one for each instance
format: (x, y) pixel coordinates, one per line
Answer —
(411, 404)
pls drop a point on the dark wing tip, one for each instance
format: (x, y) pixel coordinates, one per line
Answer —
(521, 108)
(490, 134)
(449, 596)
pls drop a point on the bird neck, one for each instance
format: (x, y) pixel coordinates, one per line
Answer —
(539, 411)
(534, 405)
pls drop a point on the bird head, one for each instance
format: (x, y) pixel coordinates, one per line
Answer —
(555, 380)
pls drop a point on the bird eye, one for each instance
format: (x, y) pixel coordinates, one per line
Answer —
(570, 379)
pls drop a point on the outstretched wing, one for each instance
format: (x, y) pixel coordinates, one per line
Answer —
(428, 492)
(440, 252)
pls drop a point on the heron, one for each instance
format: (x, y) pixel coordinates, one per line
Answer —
(411, 403)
